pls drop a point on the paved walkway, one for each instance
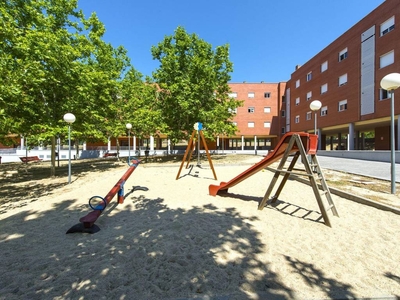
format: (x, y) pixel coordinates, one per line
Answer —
(374, 169)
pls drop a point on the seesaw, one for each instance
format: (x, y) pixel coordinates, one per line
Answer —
(98, 203)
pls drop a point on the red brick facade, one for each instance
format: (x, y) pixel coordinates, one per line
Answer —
(260, 114)
(345, 77)
(353, 75)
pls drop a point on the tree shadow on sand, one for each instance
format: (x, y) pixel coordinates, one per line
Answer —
(145, 250)
(316, 278)
(21, 172)
(25, 183)
(151, 252)
(395, 278)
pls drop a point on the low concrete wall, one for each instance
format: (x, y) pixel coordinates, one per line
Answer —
(384, 156)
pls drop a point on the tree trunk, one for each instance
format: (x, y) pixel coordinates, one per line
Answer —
(77, 149)
(117, 148)
(53, 157)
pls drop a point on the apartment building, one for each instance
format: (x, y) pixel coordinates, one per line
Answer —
(259, 120)
(345, 77)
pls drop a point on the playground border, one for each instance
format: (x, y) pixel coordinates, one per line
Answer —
(349, 196)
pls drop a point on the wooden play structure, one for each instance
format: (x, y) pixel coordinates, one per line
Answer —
(296, 145)
(87, 222)
(190, 148)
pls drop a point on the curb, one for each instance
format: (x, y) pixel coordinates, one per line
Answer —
(348, 196)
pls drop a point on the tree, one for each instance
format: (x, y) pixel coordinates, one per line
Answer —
(54, 61)
(193, 81)
(141, 105)
(40, 66)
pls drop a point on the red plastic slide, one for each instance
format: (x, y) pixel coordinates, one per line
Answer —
(309, 142)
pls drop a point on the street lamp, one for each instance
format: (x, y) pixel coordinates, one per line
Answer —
(69, 118)
(391, 82)
(129, 127)
(198, 126)
(315, 106)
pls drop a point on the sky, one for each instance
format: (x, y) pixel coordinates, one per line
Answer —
(266, 38)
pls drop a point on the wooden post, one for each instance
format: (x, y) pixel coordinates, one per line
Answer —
(189, 151)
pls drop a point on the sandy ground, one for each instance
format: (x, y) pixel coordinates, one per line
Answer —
(171, 240)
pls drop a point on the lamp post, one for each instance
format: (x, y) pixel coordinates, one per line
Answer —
(198, 126)
(129, 127)
(391, 82)
(315, 106)
(69, 118)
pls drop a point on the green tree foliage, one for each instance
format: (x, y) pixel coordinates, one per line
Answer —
(140, 102)
(54, 61)
(193, 81)
(40, 66)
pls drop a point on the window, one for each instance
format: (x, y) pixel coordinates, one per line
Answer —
(232, 95)
(309, 95)
(267, 95)
(386, 59)
(283, 99)
(250, 94)
(308, 115)
(384, 94)
(283, 131)
(297, 100)
(324, 66)
(267, 124)
(250, 124)
(342, 105)
(324, 111)
(324, 88)
(250, 110)
(343, 79)
(297, 83)
(343, 54)
(387, 26)
(297, 119)
(267, 109)
(282, 113)
(309, 76)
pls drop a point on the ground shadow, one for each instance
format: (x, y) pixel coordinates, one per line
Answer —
(296, 211)
(287, 208)
(25, 180)
(193, 171)
(24, 194)
(22, 172)
(316, 278)
(152, 252)
(395, 278)
(148, 250)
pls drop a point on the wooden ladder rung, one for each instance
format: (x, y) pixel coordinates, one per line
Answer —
(330, 207)
(318, 176)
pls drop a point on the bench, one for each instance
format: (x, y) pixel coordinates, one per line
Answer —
(27, 159)
(109, 154)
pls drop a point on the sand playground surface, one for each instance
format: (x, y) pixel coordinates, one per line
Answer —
(171, 240)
